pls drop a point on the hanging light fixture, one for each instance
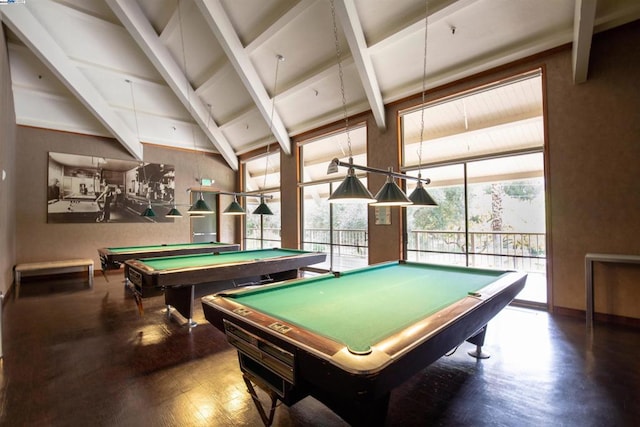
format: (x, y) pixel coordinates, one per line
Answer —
(199, 207)
(351, 190)
(263, 208)
(391, 195)
(419, 196)
(390, 174)
(149, 211)
(174, 212)
(234, 208)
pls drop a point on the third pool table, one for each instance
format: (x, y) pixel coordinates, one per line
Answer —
(113, 258)
(349, 339)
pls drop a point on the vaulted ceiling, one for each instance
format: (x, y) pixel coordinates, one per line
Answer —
(231, 76)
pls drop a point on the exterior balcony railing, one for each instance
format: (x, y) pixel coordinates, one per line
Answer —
(496, 249)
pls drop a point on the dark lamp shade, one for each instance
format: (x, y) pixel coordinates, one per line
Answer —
(351, 190)
(234, 209)
(420, 197)
(391, 195)
(174, 213)
(148, 212)
(262, 209)
(200, 207)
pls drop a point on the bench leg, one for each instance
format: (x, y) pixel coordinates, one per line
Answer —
(17, 284)
(90, 275)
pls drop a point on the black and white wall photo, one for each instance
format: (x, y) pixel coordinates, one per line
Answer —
(95, 189)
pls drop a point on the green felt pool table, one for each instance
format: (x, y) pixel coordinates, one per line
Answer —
(178, 276)
(113, 258)
(349, 339)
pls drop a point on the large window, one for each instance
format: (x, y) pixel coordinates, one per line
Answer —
(339, 230)
(483, 151)
(262, 177)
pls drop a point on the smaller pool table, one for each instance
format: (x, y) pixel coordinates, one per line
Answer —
(113, 258)
(73, 210)
(349, 339)
(177, 277)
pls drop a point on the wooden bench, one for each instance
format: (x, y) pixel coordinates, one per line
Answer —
(52, 267)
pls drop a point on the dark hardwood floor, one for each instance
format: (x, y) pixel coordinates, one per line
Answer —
(75, 356)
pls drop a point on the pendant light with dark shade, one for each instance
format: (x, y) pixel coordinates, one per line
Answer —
(351, 190)
(419, 196)
(262, 209)
(391, 195)
(234, 208)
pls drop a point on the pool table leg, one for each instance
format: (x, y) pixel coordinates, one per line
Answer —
(181, 299)
(105, 266)
(266, 419)
(478, 340)
(136, 295)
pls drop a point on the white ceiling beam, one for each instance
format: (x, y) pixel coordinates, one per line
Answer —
(584, 19)
(352, 28)
(139, 27)
(27, 27)
(220, 24)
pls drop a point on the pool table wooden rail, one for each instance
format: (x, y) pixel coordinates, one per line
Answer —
(481, 307)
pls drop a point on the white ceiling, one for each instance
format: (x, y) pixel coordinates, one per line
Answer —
(202, 73)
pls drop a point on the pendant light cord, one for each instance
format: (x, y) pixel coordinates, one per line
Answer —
(188, 87)
(424, 86)
(340, 74)
(279, 58)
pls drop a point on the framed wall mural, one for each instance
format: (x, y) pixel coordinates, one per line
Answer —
(98, 190)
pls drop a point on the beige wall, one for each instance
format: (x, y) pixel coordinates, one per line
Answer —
(7, 164)
(39, 241)
(594, 171)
